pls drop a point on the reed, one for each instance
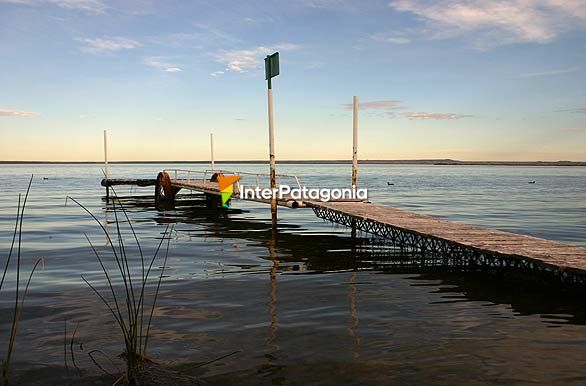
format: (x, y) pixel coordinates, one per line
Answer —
(20, 297)
(127, 301)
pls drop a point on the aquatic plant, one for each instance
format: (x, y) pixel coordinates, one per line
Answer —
(126, 301)
(15, 249)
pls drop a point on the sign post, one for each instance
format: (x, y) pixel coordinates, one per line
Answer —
(272, 70)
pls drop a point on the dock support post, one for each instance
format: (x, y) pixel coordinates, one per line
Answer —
(355, 144)
(106, 171)
(354, 155)
(212, 150)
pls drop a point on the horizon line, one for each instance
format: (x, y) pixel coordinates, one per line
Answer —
(424, 161)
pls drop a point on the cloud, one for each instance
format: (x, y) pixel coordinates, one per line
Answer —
(422, 115)
(393, 38)
(16, 113)
(95, 7)
(392, 109)
(314, 65)
(575, 129)
(159, 63)
(492, 23)
(16, 1)
(386, 104)
(217, 73)
(245, 60)
(578, 110)
(103, 45)
(548, 73)
(324, 3)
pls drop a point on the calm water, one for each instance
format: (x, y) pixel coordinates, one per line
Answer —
(308, 305)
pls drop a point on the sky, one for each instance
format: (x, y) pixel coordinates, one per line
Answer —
(460, 79)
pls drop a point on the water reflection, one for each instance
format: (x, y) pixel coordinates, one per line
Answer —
(353, 316)
(272, 304)
(292, 251)
(310, 304)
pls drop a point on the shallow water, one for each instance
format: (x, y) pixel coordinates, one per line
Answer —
(308, 305)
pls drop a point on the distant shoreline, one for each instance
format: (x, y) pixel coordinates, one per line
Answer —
(438, 162)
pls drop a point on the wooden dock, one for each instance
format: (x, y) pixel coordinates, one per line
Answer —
(426, 233)
(416, 233)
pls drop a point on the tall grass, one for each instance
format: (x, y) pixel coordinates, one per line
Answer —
(18, 308)
(125, 290)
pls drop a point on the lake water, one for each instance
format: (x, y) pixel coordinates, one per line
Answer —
(309, 304)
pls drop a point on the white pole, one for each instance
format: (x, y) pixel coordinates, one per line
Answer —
(106, 171)
(355, 144)
(272, 156)
(212, 150)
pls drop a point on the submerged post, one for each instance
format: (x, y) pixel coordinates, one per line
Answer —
(106, 171)
(355, 144)
(272, 70)
(212, 150)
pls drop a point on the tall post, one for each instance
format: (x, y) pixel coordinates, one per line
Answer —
(355, 144)
(212, 150)
(354, 157)
(106, 171)
(272, 166)
(272, 70)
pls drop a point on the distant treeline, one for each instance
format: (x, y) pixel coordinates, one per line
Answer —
(341, 162)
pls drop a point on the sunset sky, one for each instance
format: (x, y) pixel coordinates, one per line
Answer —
(469, 80)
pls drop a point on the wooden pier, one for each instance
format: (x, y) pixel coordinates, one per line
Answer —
(464, 244)
(413, 232)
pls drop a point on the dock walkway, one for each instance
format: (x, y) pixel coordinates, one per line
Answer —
(483, 245)
(463, 244)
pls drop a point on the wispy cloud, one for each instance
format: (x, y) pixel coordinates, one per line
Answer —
(16, 113)
(16, 1)
(548, 73)
(575, 129)
(95, 7)
(392, 109)
(392, 37)
(217, 73)
(385, 104)
(579, 110)
(324, 3)
(160, 63)
(245, 60)
(492, 23)
(422, 115)
(105, 45)
(257, 20)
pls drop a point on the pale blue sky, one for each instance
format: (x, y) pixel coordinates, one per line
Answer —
(471, 80)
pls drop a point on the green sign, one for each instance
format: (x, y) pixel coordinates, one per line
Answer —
(272, 66)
